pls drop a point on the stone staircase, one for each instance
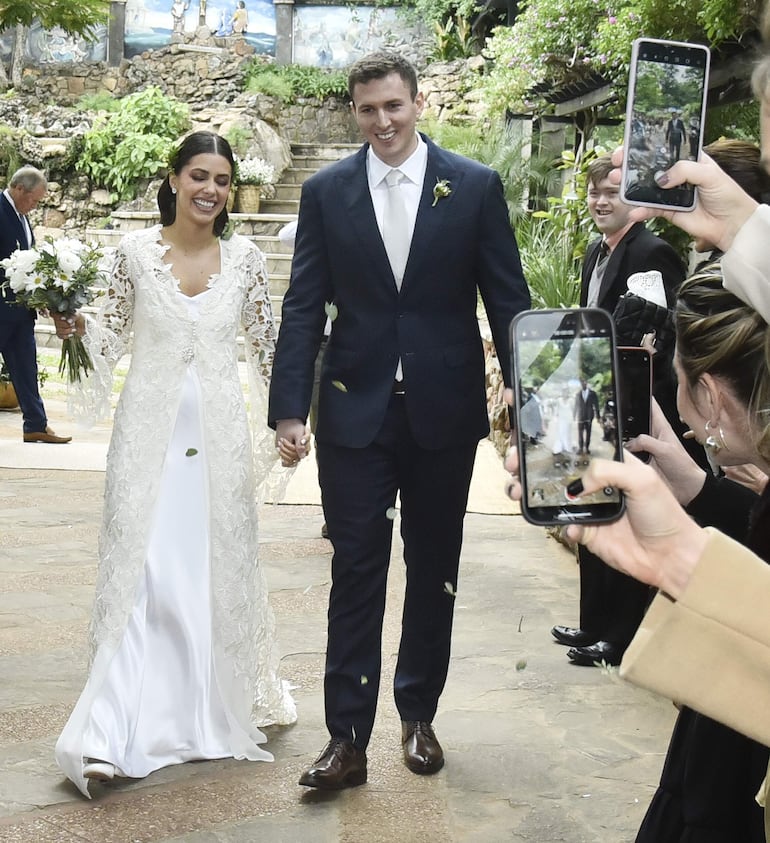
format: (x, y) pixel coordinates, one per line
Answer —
(263, 227)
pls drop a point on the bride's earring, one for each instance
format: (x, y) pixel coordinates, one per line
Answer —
(173, 190)
(715, 440)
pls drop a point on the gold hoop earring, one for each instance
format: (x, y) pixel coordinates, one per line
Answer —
(715, 441)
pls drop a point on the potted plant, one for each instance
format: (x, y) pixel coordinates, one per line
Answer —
(8, 399)
(251, 173)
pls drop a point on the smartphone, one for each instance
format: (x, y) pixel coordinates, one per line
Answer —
(635, 391)
(565, 384)
(665, 114)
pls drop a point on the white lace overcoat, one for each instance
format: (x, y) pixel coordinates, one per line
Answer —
(143, 298)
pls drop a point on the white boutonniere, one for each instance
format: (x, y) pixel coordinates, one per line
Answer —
(440, 190)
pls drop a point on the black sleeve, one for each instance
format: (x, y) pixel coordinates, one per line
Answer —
(725, 505)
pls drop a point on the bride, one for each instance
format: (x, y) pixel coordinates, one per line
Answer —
(183, 660)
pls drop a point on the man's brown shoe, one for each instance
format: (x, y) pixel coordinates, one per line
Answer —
(340, 765)
(422, 751)
(47, 436)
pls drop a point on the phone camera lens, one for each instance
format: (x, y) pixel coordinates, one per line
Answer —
(608, 491)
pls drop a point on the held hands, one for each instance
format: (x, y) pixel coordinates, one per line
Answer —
(292, 438)
(722, 206)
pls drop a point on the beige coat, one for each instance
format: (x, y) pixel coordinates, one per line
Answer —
(710, 649)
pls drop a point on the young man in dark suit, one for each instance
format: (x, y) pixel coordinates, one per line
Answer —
(611, 604)
(586, 409)
(17, 324)
(401, 237)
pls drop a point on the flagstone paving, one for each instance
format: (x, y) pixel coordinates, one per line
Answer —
(537, 749)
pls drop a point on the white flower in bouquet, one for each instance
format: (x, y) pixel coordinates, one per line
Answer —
(251, 170)
(58, 276)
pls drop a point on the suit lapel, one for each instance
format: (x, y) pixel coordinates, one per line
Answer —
(616, 259)
(15, 221)
(431, 219)
(353, 189)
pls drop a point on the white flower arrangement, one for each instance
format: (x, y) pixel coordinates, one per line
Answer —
(251, 170)
(59, 276)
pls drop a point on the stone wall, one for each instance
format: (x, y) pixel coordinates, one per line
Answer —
(211, 80)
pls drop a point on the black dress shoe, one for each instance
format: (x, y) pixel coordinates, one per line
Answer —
(422, 751)
(340, 765)
(595, 654)
(572, 637)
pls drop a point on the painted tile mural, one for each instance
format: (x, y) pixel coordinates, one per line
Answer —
(54, 45)
(151, 23)
(335, 36)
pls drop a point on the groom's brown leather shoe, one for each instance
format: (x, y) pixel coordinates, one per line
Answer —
(422, 751)
(47, 435)
(340, 765)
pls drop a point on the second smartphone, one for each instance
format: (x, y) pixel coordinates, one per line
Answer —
(665, 112)
(566, 395)
(635, 392)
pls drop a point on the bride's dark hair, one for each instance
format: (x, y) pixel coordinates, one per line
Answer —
(194, 144)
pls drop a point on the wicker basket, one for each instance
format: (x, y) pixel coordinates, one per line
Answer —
(247, 199)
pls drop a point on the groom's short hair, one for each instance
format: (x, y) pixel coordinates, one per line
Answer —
(380, 64)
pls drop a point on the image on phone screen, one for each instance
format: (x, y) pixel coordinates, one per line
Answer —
(664, 119)
(564, 373)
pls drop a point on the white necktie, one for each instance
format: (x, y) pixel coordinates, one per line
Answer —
(395, 226)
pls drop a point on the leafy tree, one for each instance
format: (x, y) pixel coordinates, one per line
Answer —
(551, 45)
(75, 17)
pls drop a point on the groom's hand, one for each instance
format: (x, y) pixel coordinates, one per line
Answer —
(291, 440)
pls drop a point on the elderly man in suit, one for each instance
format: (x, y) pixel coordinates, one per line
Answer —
(400, 237)
(612, 604)
(17, 324)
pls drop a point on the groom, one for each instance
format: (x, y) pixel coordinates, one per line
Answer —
(400, 237)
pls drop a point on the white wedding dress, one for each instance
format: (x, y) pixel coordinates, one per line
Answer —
(183, 658)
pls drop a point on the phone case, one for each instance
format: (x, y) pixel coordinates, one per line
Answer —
(665, 114)
(565, 385)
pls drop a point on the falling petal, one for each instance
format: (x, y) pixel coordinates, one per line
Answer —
(449, 588)
(191, 452)
(364, 680)
(521, 664)
(339, 385)
(391, 512)
(331, 310)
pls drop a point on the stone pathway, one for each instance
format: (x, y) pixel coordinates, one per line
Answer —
(537, 749)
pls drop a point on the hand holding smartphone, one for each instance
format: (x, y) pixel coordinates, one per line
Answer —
(665, 115)
(565, 385)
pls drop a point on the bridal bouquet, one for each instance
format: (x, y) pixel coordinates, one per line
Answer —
(59, 276)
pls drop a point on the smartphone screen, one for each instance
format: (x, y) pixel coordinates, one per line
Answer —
(665, 113)
(564, 366)
(635, 392)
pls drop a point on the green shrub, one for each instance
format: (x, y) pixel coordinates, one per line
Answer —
(291, 81)
(133, 142)
(101, 101)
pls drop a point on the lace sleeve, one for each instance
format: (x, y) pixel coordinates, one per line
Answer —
(259, 338)
(107, 339)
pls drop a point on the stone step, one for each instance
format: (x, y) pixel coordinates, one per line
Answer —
(280, 206)
(298, 175)
(278, 255)
(287, 190)
(268, 223)
(326, 151)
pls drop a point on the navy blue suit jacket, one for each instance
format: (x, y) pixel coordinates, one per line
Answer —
(12, 237)
(461, 245)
